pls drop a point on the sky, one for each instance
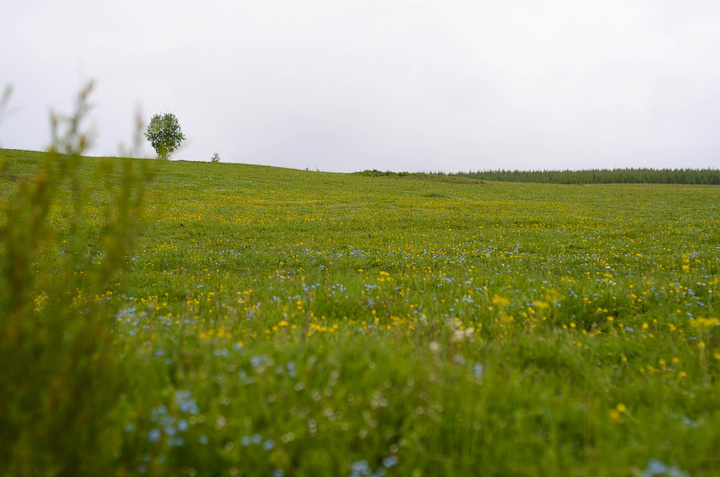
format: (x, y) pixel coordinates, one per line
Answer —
(343, 85)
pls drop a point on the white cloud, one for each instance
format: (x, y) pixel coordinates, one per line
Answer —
(349, 85)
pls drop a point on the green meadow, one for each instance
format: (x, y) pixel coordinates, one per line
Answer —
(187, 318)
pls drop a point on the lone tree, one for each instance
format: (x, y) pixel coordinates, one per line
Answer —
(164, 134)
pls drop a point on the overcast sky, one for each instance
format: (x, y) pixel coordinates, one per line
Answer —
(342, 85)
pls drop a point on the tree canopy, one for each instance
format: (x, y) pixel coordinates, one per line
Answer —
(165, 134)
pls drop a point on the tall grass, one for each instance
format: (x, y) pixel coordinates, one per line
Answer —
(60, 380)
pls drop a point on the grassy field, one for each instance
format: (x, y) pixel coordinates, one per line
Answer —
(272, 322)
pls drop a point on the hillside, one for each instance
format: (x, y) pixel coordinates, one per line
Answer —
(270, 321)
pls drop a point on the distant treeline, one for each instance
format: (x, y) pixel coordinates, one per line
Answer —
(604, 176)
(592, 176)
